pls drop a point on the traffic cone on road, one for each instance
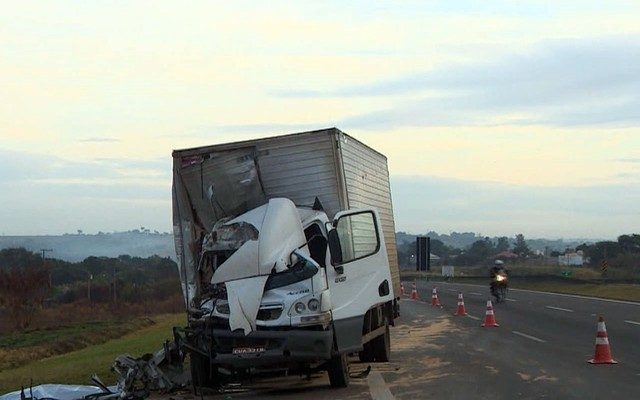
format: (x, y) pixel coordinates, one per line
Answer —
(435, 302)
(460, 312)
(489, 317)
(414, 292)
(401, 289)
(603, 350)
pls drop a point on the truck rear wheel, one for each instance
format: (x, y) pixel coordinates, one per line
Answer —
(366, 355)
(339, 371)
(381, 346)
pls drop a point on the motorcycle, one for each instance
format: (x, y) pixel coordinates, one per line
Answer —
(499, 286)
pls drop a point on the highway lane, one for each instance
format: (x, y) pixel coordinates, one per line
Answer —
(559, 331)
(567, 320)
(539, 351)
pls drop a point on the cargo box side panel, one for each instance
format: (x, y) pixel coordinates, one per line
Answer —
(367, 184)
(301, 168)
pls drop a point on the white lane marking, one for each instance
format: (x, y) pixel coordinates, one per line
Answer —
(475, 293)
(511, 300)
(378, 387)
(577, 296)
(524, 335)
(632, 322)
(559, 308)
(472, 317)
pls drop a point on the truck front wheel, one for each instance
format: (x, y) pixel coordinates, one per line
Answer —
(201, 372)
(339, 371)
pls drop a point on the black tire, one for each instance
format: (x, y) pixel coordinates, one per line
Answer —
(339, 371)
(201, 374)
(366, 355)
(381, 346)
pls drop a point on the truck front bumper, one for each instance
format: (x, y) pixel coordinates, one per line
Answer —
(269, 348)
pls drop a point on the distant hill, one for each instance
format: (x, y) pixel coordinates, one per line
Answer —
(143, 243)
(463, 240)
(77, 247)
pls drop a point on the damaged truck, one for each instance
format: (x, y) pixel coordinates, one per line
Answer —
(287, 256)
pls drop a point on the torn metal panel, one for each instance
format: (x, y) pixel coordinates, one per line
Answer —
(57, 392)
(207, 188)
(278, 232)
(244, 296)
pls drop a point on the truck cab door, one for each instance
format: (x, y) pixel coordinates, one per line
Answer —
(360, 277)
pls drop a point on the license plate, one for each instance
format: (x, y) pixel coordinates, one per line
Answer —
(248, 350)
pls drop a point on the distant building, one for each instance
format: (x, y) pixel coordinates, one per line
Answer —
(573, 258)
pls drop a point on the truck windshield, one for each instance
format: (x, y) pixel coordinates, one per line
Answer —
(301, 270)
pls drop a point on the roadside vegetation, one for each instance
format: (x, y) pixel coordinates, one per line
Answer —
(76, 367)
(609, 269)
(51, 309)
(51, 293)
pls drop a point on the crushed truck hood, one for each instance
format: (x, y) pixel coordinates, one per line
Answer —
(279, 233)
(266, 236)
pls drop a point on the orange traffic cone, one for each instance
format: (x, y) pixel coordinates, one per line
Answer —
(490, 318)
(603, 350)
(401, 289)
(414, 292)
(435, 302)
(460, 312)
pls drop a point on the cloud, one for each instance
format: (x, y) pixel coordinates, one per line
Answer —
(563, 83)
(99, 140)
(429, 203)
(103, 194)
(18, 166)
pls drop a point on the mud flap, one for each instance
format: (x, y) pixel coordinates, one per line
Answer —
(348, 333)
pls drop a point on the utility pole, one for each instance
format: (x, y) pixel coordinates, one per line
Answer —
(44, 251)
(114, 284)
(89, 279)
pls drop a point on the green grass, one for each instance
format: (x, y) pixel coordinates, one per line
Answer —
(37, 337)
(77, 367)
(24, 347)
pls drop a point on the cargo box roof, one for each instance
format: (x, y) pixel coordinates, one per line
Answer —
(241, 143)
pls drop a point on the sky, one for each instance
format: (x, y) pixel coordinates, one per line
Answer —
(497, 117)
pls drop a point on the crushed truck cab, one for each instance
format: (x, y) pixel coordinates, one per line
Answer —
(283, 280)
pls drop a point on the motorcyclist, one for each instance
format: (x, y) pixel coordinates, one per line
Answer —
(497, 269)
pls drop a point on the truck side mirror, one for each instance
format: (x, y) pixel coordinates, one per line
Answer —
(335, 250)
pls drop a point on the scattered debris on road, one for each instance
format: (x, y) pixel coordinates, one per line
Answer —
(162, 371)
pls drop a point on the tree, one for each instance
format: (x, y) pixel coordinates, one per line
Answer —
(629, 243)
(480, 251)
(603, 251)
(521, 248)
(503, 244)
(22, 291)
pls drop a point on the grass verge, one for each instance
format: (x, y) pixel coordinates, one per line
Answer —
(24, 347)
(77, 367)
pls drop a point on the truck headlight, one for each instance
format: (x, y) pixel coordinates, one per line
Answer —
(313, 305)
(300, 307)
(222, 308)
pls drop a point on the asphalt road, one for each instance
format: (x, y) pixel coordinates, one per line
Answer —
(539, 351)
